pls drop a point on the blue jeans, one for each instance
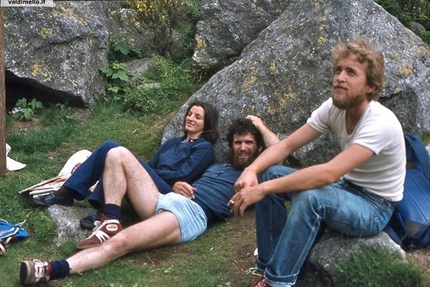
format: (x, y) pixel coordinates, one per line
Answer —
(285, 240)
(91, 171)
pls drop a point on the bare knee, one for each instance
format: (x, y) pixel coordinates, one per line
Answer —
(118, 154)
(116, 246)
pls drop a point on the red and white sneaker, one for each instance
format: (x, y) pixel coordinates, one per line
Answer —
(260, 283)
(105, 229)
(34, 271)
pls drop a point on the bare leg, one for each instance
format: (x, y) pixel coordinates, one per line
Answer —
(124, 176)
(159, 230)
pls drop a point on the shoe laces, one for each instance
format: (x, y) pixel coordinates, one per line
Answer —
(97, 223)
(40, 270)
(254, 271)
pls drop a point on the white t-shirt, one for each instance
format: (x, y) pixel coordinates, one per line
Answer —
(378, 130)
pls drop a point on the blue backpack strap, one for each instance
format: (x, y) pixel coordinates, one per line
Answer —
(417, 153)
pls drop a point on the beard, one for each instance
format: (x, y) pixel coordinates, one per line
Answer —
(241, 164)
(347, 101)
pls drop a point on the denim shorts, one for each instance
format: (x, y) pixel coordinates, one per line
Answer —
(191, 217)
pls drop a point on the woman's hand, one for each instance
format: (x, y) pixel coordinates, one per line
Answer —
(185, 189)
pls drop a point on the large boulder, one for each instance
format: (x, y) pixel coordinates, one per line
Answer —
(56, 52)
(285, 73)
(227, 27)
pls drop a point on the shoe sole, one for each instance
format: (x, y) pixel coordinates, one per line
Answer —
(24, 275)
(87, 246)
(44, 204)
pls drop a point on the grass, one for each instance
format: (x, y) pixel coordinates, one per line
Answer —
(367, 264)
(218, 258)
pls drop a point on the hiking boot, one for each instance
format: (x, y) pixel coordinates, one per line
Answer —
(105, 229)
(34, 271)
(260, 283)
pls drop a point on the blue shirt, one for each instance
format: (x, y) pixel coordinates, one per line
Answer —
(176, 160)
(214, 189)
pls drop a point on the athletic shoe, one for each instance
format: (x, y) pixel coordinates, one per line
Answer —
(34, 271)
(260, 283)
(105, 229)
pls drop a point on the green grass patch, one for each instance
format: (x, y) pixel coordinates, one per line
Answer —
(377, 267)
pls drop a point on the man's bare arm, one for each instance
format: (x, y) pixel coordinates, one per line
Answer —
(269, 137)
(304, 179)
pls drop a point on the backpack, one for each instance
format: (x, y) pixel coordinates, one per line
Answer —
(10, 232)
(409, 225)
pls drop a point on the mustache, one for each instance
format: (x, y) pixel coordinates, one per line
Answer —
(339, 87)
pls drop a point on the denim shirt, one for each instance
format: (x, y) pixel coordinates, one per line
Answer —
(215, 188)
(176, 160)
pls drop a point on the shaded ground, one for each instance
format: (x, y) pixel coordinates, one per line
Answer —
(240, 236)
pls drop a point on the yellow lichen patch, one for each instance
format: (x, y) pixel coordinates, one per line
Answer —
(322, 19)
(321, 41)
(45, 32)
(290, 96)
(282, 100)
(272, 68)
(247, 85)
(36, 69)
(395, 57)
(200, 42)
(82, 22)
(406, 71)
(322, 27)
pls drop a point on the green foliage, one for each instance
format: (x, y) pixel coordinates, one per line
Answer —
(378, 267)
(162, 87)
(117, 80)
(407, 11)
(25, 110)
(116, 74)
(157, 91)
(120, 50)
(164, 18)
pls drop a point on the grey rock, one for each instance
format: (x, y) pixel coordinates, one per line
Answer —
(67, 221)
(56, 52)
(227, 27)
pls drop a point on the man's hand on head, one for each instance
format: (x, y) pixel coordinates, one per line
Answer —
(185, 189)
(257, 121)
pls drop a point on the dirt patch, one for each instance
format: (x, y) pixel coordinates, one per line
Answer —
(421, 259)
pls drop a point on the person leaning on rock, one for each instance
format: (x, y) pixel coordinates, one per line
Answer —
(354, 192)
(179, 159)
